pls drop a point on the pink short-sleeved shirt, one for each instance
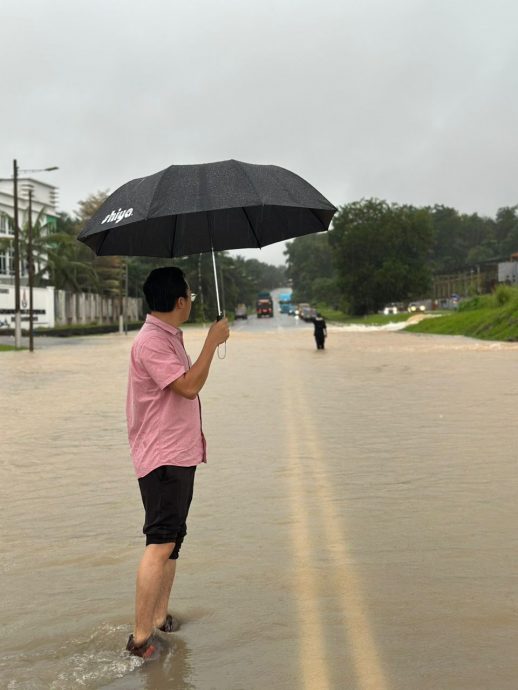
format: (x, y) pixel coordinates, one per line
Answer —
(164, 428)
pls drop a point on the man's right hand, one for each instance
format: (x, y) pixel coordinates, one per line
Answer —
(218, 332)
(191, 383)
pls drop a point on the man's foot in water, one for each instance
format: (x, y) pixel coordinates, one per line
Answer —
(147, 650)
(170, 625)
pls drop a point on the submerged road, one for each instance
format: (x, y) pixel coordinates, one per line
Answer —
(354, 528)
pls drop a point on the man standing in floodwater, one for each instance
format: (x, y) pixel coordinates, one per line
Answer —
(167, 442)
(320, 331)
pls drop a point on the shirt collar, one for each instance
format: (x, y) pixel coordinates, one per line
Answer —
(154, 321)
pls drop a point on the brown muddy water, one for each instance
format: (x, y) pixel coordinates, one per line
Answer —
(355, 527)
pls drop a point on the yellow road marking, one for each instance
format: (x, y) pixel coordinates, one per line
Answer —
(312, 651)
(363, 647)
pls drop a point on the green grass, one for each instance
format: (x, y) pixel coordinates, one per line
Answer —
(331, 314)
(9, 348)
(487, 317)
(334, 315)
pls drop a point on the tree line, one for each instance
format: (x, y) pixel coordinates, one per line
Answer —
(67, 264)
(377, 252)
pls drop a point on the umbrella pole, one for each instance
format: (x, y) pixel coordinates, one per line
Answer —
(220, 313)
(211, 235)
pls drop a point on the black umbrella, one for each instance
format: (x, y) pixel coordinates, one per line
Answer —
(187, 209)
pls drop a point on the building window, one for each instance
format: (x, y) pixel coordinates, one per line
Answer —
(5, 224)
(7, 263)
(10, 262)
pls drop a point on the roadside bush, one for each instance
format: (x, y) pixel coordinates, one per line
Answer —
(504, 294)
(474, 303)
(330, 313)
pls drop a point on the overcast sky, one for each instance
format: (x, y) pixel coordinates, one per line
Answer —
(407, 100)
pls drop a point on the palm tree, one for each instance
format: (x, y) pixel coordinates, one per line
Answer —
(57, 256)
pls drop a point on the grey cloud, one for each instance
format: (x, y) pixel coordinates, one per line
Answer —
(411, 101)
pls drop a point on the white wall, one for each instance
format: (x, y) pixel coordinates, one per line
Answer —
(508, 272)
(87, 307)
(59, 308)
(43, 306)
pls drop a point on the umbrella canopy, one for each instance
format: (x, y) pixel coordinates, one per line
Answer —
(187, 209)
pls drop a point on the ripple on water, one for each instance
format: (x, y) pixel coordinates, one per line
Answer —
(88, 664)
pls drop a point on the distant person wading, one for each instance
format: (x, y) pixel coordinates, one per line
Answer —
(320, 331)
(167, 443)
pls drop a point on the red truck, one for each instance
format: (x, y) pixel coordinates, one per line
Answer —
(264, 307)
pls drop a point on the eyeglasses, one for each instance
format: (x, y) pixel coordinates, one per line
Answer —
(193, 296)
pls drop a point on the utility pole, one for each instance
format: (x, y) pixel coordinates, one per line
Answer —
(17, 315)
(126, 300)
(121, 305)
(30, 262)
(123, 298)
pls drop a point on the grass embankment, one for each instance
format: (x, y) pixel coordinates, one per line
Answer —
(9, 348)
(487, 317)
(331, 314)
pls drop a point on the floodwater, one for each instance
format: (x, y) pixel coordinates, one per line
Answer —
(355, 527)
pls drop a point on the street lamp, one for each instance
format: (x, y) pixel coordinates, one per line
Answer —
(17, 315)
(30, 265)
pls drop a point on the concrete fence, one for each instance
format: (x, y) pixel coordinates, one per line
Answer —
(87, 307)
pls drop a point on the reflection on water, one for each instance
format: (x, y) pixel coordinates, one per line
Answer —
(354, 527)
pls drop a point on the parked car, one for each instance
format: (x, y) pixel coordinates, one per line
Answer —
(241, 312)
(390, 309)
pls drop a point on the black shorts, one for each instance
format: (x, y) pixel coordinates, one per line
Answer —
(166, 494)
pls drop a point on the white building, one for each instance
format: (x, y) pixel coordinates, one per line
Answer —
(508, 272)
(44, 210)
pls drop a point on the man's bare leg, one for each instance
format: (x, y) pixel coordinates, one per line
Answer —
(150, 577)
(165, 591)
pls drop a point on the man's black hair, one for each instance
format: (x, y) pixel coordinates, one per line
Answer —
(163, 287)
